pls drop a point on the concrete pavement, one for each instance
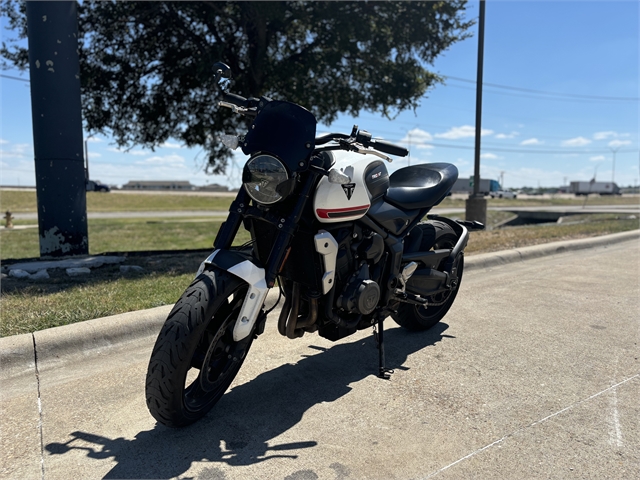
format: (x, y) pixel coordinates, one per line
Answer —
(534, 373)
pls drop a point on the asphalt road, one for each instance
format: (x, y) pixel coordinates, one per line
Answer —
(534, 373)
(622, 209)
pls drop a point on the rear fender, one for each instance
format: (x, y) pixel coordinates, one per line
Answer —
(244, 267)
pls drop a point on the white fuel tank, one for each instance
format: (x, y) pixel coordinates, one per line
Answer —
(340, 203)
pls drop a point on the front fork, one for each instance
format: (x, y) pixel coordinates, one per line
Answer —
(259, 280)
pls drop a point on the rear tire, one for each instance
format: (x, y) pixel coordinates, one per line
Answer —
(416, 318)
(195, 358)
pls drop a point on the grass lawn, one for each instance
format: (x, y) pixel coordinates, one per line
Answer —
(25, 201)
(579, 226)
(125, 235)
(30, 305)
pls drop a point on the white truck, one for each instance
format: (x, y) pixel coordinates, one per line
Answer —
(585, 188)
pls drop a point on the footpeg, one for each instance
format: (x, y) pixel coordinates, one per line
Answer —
(406, 273)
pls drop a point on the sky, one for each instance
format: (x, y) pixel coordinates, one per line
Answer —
(561, 92)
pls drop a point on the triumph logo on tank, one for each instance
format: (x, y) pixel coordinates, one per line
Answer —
(348, 189)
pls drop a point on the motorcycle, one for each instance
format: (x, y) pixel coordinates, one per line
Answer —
(346, 244)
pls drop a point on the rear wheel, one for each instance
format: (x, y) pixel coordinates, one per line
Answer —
(195, 358)
(436, 235)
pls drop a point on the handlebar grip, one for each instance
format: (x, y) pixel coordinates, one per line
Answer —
(389, 148)
(235, 99)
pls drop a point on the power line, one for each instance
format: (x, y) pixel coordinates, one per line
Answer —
(542, 92)
(535, 96)
(489, 145)
(520, 150)
(15, 78)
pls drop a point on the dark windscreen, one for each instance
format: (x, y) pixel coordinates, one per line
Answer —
(285, 130)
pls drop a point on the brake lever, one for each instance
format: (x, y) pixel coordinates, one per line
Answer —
(235, 108)
(351, 145)
(241, 110)
(371, 151)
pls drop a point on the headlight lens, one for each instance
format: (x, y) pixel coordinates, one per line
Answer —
(263, 174)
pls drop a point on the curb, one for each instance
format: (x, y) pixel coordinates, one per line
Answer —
(494, 259)
(59, 344)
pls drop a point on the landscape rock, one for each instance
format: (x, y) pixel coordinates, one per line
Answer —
(40, 275)
(75, 272)
(131, 268)
(17, 273)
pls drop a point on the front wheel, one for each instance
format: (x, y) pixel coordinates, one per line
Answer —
(436, 235)
(195, 358)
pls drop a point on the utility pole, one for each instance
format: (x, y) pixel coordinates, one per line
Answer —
(54, 70)
(476, 204)
(613, 165)
(502, 179)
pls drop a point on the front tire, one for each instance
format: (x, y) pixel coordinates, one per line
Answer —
(195, 358)
(436, 235)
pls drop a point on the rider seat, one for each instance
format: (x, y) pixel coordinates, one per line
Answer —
(421, 186)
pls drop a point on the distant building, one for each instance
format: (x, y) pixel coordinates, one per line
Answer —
(158, 185)
(214, 187)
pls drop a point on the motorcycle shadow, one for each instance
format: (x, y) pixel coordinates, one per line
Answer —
(239, 428)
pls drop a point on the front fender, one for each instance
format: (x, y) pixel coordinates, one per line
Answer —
(243, 266)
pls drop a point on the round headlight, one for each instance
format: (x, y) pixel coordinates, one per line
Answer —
(263, 174)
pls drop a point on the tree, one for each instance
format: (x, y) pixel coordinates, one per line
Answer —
(146, 67)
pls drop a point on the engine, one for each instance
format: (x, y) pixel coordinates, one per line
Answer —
(361, 294)
(357, 291)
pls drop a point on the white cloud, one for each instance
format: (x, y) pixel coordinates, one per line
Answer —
(17, 151)
(94, 155)
(417, 138)
(604, 135)
(139, 153)
(576, 142)
(465, 131)
(3, 141)
(489, 156)
(172, 160)
(506, 135)
(619, 143)
(598, 158)
(531, 141)
(170, 145)
(94, 140)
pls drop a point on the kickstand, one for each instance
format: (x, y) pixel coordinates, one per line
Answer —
(383, 372)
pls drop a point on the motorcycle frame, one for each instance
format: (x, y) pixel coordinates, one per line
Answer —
(287, 226)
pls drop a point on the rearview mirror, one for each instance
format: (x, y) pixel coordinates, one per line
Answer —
(336, 176)
(222, 74)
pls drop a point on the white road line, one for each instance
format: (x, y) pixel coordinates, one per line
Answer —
(613, 387)
(617, 439)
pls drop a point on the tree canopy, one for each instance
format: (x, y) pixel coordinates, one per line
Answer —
(146, 67)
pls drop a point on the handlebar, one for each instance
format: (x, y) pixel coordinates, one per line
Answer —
(388, 147)
(248, 106)
(237, 100)
(364, 138)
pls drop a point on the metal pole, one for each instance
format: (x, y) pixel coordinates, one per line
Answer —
(57, 127)
(613, 166)
(86, 160)
(476, 204)
(476, 168)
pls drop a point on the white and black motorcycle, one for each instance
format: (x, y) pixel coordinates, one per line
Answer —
(347, 244)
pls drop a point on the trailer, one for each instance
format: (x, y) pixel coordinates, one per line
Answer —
(585, 188)
(465, 185)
